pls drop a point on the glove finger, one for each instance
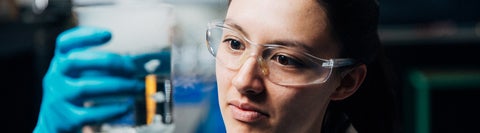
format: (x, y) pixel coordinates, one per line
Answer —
(91, 87)
(104, 113)
(62, 116)
(80, 37)
(93, 115)
(77, 62)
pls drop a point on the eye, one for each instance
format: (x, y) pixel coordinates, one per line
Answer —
(287, 61)
(234, 44)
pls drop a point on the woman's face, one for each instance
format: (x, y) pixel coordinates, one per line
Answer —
(251, 103)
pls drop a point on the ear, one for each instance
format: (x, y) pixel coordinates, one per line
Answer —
(350, 81)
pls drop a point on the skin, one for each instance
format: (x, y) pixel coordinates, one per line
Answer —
(251, 103)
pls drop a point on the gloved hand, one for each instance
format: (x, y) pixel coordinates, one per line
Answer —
(76, 75)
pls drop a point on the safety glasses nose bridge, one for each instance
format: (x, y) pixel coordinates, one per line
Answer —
(254, 51)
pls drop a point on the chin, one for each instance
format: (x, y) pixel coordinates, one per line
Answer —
(235, 126)
(245, 129)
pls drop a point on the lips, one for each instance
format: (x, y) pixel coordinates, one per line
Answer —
(245, 112)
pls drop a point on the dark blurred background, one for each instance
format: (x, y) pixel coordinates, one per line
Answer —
(27, 38)
(433, 46)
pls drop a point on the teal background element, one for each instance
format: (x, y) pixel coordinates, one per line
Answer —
(425, 81)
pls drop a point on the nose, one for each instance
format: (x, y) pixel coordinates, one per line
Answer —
(248, 80)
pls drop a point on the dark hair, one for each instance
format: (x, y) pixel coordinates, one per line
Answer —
(353, 23)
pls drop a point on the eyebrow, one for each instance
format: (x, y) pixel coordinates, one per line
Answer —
(231, 23)
(283, 42)
(291, 43)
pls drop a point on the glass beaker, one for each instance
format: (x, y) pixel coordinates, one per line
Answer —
(140, 28)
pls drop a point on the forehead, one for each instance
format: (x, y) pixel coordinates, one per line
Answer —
(270, 20)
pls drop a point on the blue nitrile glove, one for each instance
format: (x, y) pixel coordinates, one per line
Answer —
(76, 75)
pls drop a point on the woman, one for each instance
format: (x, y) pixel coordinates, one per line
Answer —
(281, 63)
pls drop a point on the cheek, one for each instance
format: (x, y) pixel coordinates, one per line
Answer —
(224, 78)
(308, 103)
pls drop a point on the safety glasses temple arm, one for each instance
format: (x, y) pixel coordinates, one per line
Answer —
(335, 63)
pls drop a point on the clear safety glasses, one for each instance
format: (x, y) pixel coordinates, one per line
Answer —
(282, 65)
